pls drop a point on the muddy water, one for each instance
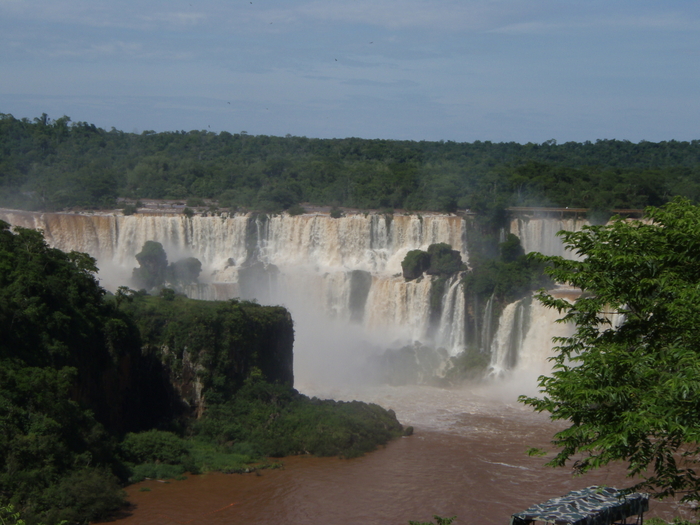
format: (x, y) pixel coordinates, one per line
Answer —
(467, 458)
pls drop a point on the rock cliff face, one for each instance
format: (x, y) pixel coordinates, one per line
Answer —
(208, 349)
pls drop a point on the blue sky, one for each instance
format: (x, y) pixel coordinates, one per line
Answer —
(499, 70)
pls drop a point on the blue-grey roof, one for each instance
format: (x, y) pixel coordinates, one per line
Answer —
(589, 506)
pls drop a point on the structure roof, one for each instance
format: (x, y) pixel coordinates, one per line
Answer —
(589, 506)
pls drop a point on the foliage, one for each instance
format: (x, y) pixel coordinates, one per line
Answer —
(154, 446)
(58, 339)
(508, 277)
(195, 202)
(9, 516)
(71, 362)
(470, 364)
(218, 342)
(444, 261)
(276, 420)
(627, 380)
(511, 249)
(296, 210)
(154, 270)
(52, 164)
(415, 264)
(184, 271)
(409, 365)
(129, 209)
(438, 521)
(153, 263)
(49, 448)
(83, 496)
(440, 260)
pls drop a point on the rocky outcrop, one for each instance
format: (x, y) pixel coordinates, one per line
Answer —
(209, 348)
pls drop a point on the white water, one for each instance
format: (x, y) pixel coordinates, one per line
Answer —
(539, 234)
(523, 344)
(318, 259)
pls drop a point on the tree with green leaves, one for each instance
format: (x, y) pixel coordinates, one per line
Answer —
(628, 380)
(153, 263)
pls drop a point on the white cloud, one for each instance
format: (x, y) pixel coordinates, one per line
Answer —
(176, 18)
(610, 21)
(404, 14)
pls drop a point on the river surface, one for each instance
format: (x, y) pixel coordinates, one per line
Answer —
(467, 458)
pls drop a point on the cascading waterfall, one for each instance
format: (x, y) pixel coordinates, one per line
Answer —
(523, 341)
(345, 270)
(487, 326)
(505, 348)
(452, 331)
(538, 234)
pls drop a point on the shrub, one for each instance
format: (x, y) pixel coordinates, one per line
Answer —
(438, 521)
(296, 210)
(153, 262)
(85, 495)
(195, 202)
(414, 264)
(154, 446)
(444, 260)
(440, 259)
(155, 471)
(168, 294)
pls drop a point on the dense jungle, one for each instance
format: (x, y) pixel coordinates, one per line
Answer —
(53, 164)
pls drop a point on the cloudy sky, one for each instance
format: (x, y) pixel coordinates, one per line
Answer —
(499, 70)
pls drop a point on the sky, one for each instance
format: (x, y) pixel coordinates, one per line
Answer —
(498, 70)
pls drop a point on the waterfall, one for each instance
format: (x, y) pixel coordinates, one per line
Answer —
(486, 326)
(540, 234)
(452, 330)
(341, 278)
(523, 341)
(347, 269)
(507, 343)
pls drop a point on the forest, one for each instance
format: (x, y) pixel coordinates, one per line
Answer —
(54, 164)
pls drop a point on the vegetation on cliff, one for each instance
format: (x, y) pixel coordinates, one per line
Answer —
(440, 260)
(508, 276)
(627, 380)
(95, 392)
(211, 347)
(154, 271)
(55, 164)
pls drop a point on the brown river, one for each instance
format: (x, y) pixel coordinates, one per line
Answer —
(467, 458)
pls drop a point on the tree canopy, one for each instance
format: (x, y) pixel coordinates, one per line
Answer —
(54, 164)
(628, 380)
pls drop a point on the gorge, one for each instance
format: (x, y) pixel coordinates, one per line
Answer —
(341, 279)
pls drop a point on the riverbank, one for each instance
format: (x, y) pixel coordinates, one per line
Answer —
(467, 458)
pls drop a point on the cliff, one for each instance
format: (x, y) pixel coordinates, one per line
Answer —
(209, 348)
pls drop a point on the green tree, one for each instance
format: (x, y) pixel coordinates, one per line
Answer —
(628, 379)
(444, 260)
(184, 271)
(415, 264)
(153, 263)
